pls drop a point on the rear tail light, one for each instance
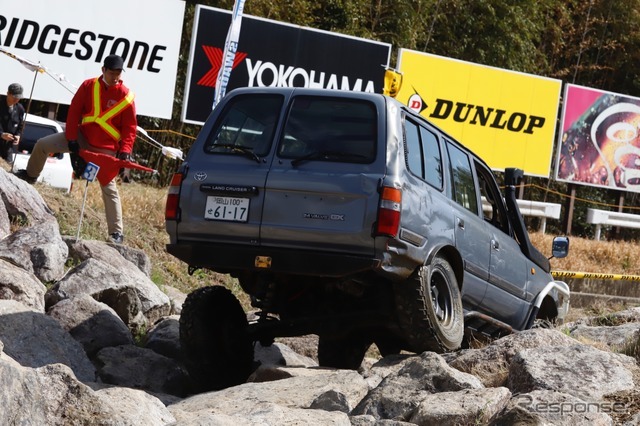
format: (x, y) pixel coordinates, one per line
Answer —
(389, 212)
(171, 211)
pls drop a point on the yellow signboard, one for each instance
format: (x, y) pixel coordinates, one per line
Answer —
(507, 118)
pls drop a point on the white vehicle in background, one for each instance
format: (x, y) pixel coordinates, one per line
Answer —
(58, 171)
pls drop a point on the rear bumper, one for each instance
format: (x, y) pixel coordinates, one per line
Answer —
(227, 258)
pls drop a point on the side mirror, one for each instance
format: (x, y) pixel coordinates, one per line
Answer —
(560, 247)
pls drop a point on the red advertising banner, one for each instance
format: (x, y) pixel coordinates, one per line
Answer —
(600, 140)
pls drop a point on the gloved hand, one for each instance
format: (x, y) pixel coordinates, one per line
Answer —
(124, 156)
(74, 147)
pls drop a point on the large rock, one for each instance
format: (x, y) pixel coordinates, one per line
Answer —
(81, 250)
(141, 368)
(164, 337)
(93, 324)
(579, 370)
(467, 407)
(491, 363)
(51, 395)
(35, 340)
(22, 202)
(38, 249)
(298, 391)
(400, 393)
(614, 337)
(129, 292)
(22, 286)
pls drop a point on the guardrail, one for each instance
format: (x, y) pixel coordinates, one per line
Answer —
(610, 218)
(533, 208)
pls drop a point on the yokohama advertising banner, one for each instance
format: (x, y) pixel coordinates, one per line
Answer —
(69, 39)
(600, 141)
(271, 53)
(506, 117)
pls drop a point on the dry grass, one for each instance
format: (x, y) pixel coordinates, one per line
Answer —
(610, 257)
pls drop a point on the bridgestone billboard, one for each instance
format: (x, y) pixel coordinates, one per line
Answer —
(70, 39)
(271, 54)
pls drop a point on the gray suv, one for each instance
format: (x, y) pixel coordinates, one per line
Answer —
(348, 216)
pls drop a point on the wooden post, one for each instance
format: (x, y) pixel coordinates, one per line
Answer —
(568, 209)
(620, 209)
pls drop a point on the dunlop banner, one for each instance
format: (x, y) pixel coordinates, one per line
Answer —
(600, 142)
(507, 118)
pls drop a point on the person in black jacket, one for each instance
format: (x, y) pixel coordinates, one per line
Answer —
(11, 118)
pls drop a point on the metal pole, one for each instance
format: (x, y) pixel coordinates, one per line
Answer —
(84, 200)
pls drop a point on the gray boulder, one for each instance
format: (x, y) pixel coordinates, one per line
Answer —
(38, 249)
(20, 285)
(93, 324)
(579, 370)
(135, 298)
(36, 340)
(400, 393)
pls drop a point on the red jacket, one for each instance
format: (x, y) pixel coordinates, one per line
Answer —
(124, 122)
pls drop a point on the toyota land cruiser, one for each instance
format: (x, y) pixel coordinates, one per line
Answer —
(346, 215)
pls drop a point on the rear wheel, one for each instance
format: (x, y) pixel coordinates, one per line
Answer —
(429, 308)
(213, 335)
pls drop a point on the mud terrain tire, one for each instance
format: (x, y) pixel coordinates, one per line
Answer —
(214, 340)
(429, 308)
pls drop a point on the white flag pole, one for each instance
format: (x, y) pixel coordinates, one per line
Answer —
(230, 49)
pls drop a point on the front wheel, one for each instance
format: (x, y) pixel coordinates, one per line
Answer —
(213, 335)
(429, 308)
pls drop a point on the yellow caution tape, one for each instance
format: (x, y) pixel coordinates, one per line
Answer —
(593, 275)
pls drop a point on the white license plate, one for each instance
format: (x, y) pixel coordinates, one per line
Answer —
(227, 208)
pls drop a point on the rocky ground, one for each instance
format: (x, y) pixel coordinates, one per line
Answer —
(88, 338)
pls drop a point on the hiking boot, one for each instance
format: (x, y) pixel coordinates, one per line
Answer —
(22, 174)
(116, 238)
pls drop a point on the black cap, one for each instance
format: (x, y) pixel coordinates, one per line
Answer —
(15, 90)
(113, 62)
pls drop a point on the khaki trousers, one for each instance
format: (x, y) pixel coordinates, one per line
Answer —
(57, 142)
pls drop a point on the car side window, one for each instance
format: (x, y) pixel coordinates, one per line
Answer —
(493, 208)
(464, 190)
(246, 124)
(432, 158)
(414, 151)
(423, 154)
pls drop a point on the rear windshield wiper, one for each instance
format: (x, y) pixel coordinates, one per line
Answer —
(326, 155)
(247, 152)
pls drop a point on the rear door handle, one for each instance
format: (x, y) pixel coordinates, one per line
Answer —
(460, 223)
(495, 245)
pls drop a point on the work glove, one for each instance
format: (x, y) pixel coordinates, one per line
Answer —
(74, 147)
(124, 156)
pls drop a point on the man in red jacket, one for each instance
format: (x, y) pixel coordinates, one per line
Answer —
(102, 119)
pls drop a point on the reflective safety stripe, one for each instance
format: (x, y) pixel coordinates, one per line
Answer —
(102, 119)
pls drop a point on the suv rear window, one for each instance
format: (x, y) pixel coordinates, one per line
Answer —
(330, 129)
(246, 125)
